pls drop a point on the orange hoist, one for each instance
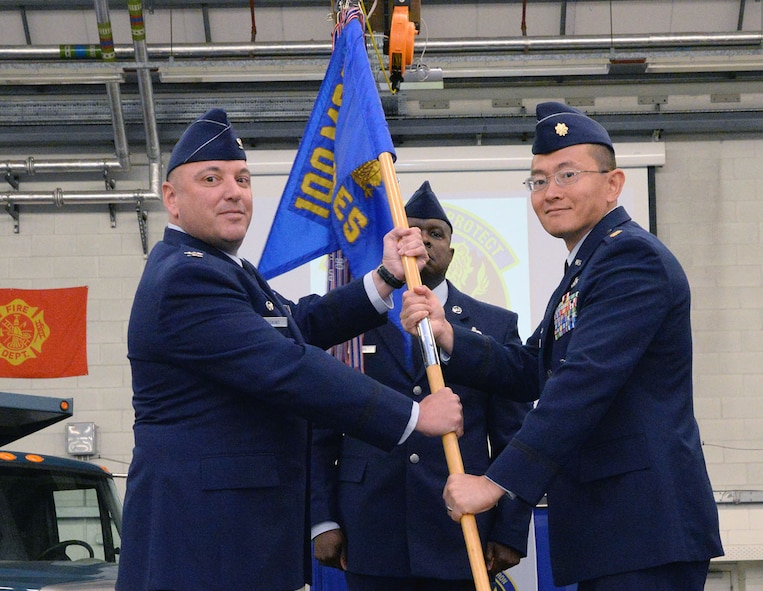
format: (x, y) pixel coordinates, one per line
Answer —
(400, 46)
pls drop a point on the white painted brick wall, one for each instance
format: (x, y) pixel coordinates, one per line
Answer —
(709, 212)
(76, 245)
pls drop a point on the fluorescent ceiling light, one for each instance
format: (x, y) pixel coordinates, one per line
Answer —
(191, 74)
(510, 71)
(704, 66)
(59, 76)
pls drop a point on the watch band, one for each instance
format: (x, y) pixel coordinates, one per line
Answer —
(389, 278)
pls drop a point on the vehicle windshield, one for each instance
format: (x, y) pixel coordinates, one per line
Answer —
(51, 515)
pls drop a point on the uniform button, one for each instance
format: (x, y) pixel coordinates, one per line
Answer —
(413, 458)
(417, 390)
(549, 372)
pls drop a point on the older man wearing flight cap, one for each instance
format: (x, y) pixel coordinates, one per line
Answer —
(226, 375)
(390, 531)
(613, 441)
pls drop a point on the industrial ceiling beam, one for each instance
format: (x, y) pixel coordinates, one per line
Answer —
(688, 80)
(174, 4)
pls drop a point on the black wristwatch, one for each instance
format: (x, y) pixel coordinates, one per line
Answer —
(389, 278)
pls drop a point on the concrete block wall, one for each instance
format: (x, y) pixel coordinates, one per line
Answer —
(709, 212)
(71, 246)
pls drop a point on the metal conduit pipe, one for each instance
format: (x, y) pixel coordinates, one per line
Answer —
(118, 123)
(11, 200)
(59, 198)
(30, 166)
(145, 86)
(708, 41)
(112, 87)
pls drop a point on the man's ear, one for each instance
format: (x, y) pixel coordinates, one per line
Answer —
(616, 182)
(451, 252)
(169, 197)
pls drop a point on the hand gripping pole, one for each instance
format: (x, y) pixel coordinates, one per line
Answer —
(434, 374)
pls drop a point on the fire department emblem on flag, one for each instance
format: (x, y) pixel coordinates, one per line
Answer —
(43, 332)
(22, 331)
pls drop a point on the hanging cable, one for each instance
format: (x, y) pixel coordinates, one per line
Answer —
(376, 49)
(254, 23)
(371, 10)
(420, 61)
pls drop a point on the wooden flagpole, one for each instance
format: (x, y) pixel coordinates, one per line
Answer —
(434, 374)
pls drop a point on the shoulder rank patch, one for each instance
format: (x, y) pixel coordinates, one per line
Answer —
(194, 253)
(615, 233)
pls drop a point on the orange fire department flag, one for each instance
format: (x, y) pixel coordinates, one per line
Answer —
(43, 332)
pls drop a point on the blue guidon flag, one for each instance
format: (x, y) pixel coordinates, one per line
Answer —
(334, 198)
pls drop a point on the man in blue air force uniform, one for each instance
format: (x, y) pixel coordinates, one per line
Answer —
(226, 376)
(613, 440)
(385, 508)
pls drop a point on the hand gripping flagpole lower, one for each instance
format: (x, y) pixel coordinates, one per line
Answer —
(434, 375)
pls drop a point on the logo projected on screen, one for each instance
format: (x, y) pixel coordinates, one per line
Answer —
(480, 259)
(503, 582)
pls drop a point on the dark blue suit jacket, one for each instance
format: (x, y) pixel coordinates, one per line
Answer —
(217, 490)
(389, 504)
(613, 439)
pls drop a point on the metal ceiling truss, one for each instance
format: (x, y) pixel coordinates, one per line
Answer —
(150, 5)
(18, 170)
(639, 86)
(700, 74)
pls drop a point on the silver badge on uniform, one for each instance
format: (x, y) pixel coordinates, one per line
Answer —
(269, 305)
(456, 309)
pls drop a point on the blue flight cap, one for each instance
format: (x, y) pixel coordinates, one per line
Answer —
(210, 137)
(423, 204)
(560, 126)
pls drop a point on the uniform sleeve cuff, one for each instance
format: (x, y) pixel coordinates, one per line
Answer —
(511, 495)
(382, 305)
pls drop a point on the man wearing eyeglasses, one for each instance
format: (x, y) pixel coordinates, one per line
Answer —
(612, 441)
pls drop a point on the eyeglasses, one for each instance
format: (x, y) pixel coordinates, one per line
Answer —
(562, 177)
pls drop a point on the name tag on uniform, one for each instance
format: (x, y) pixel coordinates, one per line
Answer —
(277, 321)
(369, 349)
